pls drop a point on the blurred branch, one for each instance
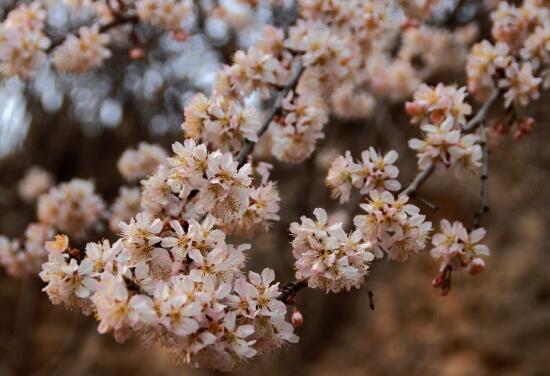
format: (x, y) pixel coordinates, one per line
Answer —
(275, 109)
(23, 324)
(118, 21)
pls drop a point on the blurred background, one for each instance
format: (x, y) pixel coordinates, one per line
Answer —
(495, 323)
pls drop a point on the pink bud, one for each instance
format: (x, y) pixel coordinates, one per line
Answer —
(438, 280)
(412, 108)
(477, 266)
(137, 53)
(180, 35)
(297, 319)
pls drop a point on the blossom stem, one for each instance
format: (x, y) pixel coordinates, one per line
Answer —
(275, 109)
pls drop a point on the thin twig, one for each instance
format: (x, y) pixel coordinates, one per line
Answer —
(275, 109)
(428, 203)
(475, 122)
(289, 291)
(412, 189)
(484, 180)
(371, 300)
(118, 21)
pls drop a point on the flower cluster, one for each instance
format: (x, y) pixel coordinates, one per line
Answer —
(373, 171)
(35, 182)
(23, 44)
(263, 206)
(83, 53)
(516, 61)
(458, 248)
(166, 14)
(172, 276)
(25, 258)
(142, 162)
(442, 113)
(224, 123)
(327, 257)
(125, 206)
(178, 283)
(295, 133)
(73, 208)
(211, 182)
(393, 226)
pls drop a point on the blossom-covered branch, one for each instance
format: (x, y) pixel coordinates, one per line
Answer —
(172, 274)
(275, 109)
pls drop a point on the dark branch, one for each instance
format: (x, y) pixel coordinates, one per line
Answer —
(481, 115)
(412, 189)
(289, 291)
(275, 109)
(118, 21)
(484, 180)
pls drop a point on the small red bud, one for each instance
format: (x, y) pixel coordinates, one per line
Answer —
(412, 108)
(137, 53)
(297, 319)
(477, 266)
(180, 35)
(438, 280)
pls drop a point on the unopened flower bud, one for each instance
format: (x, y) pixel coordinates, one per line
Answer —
(297, 318)
(477, 266)
(413, 108)
(180, 35)
(137, 53)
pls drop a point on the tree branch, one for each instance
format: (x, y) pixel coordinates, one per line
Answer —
(412, 189)
(289, 291)
(275, 109)
(484, 180)
(117, 21)
(475, 122)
